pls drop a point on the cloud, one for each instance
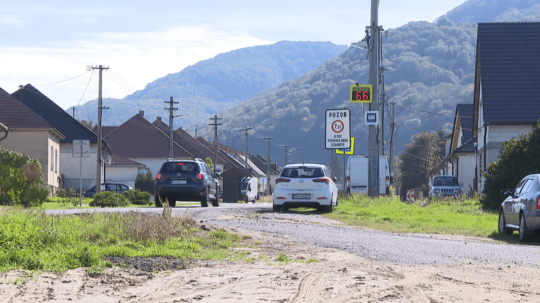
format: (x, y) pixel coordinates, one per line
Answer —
(139, 58)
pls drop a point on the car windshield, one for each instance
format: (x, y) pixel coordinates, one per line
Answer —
(244, 185)
(302, 172)
(445, 181)
(177, 167)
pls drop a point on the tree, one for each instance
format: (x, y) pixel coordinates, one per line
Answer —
(520, 157)
(209, 162)
(88, 124)
(417, 160)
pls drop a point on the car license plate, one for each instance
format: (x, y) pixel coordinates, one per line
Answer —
(178, 181)
(301, 196)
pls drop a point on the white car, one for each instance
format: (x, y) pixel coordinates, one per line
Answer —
(305, 185)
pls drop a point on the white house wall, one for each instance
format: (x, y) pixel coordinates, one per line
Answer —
(154, 164)
(37, 144)
(466, 171)
(122, 174)
(71, 167)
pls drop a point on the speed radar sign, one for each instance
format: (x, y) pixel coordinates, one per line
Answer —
(338, 129)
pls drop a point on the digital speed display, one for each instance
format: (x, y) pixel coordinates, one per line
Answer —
(361, 93)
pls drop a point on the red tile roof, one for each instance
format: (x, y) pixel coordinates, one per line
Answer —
(139, 138)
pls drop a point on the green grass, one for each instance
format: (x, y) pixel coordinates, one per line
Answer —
(32, 240)
(457, 217)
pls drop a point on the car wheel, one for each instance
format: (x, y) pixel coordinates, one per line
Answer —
(275, 208)
(172, 202)
(205, 199)
(157, 200)
(502, 225)
(523, 230)
(215, 203)
(330, 208)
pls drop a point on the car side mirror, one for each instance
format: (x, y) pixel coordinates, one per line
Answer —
(505, 192)
(335, 179)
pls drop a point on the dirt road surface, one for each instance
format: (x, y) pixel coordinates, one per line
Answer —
(315, 274)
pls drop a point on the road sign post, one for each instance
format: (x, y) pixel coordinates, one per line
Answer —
(81, 149)
(338, 133)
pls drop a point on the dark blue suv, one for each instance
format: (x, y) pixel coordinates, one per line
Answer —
(185, 180)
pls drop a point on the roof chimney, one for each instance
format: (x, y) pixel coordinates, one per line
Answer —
(141, 112)
(158, 119)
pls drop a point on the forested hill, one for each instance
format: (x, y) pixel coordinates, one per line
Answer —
(474, 11)
(429, 69)
(215, 84)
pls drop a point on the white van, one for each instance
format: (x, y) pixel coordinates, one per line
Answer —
(249, 190)
(358, 171)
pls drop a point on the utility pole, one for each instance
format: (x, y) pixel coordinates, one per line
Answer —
(297, 150)
(373, 178)
(246, 129)
(171, 109)
(392, 131)
(215, 125)
(286, 152)
(99, 157)
(73, 112)
(268, 158)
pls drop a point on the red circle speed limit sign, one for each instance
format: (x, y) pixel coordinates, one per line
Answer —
(338, 129)
(337, 126)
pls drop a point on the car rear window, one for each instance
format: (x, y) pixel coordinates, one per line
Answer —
(302, 172)
(177, 167)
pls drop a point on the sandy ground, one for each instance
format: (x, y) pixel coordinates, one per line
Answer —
(336, 277)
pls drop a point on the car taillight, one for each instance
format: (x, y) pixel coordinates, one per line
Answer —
(159, 176)
(279, 180)
(325, 180)
(199, 176)
(538, 203)
(180, 163)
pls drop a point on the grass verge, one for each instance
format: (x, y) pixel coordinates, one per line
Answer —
(456, 217)
(32, 240)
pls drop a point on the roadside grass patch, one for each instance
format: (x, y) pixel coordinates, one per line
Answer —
(32, 240)
(452, 216)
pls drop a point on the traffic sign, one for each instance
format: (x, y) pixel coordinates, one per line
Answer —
(338, 128)
(361, 93)
(347, 151)
(371, 117)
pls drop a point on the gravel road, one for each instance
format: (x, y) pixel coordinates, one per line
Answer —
(311, 228)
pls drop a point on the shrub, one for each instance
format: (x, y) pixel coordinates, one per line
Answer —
(138, 197)
(109, 199)
(35, 194)
(519, 158)
(17, 173)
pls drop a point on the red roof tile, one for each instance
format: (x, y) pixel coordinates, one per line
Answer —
(15, 115)
(139, 138)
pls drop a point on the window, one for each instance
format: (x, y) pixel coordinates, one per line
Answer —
(55, 160)
(52, 158)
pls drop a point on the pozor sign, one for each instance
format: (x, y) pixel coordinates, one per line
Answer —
(338, 128)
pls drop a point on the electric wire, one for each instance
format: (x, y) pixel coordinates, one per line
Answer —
(62, 80)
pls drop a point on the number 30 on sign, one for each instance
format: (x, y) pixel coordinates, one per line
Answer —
(361, 93)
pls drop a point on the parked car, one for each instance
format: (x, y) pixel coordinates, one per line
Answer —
(305, 185)
(249, 190)
(521, 209)
(442, 186)
(185, 180)
(112, 187)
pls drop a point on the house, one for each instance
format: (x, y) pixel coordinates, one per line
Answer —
(71, 129)
(506, 89)
(31, 134)
(462, 155)
(122, 170)
(142, 143)
(4, 129)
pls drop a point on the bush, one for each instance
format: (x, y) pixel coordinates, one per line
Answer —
(519, 158)
(138, 197)
(109, 199)
(17, 173)
(35, 194)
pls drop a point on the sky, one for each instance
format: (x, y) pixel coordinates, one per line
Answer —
(50, 44)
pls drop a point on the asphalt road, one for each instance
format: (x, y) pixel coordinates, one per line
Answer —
(311, 228)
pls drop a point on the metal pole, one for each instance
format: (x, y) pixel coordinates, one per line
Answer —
(268, 158)
(392, 130)
(373, 188)
(246, 156)
(171, 127)
(344, 171)
(80, 173)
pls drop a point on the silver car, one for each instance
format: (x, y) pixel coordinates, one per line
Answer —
(444, 186)
(305, 185)
(521, 209)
